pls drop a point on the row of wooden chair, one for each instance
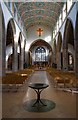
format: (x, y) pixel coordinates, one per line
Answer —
(17, 77)
(62, 78)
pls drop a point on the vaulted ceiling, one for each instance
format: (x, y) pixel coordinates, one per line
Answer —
(39, 13)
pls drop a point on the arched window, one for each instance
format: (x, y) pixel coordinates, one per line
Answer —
(40, 54)
(70, 61)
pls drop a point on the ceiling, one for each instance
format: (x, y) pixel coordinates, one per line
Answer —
(39, 13)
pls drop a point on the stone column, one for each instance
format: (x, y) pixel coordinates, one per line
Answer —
(30, 58)
(58, 60)
(65, 59)
(27, 58)
(50, 58)
(54, 57)
(15, 58)
(22, 59)
(76, 59)
(2, 45)
(76, 45)
(2, 55)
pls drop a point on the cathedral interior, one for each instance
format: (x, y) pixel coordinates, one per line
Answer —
(38, 50)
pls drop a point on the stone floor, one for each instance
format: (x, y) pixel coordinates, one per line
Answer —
(12, 102)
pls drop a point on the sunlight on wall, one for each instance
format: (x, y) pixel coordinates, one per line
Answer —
(22, 44)
(69, 4)
(18, 50)
(64, 11)
(60, 20)
(6, 57)
(16, 38)
(9, 51)
(48, 39)
(27, 46)
(47, 52)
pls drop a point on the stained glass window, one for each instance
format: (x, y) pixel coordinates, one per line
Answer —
(40, 54)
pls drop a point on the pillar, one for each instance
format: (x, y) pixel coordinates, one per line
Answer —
(15, 58)
(76, 58)
(58, 60)
(2, 55)
(54, 57)
(22, 59)
(30, 57)
(2, 45)
(27, 58)
(50, 58)
(65, 59)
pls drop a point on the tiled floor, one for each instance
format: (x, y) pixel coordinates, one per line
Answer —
(13, 101)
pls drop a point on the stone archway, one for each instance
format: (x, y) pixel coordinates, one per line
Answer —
(41, 43)
(76, 46)
(59, 53)
(68, 45)
(2, 44)
(10, 42)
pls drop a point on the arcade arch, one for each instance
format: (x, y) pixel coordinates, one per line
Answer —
(68, 46)
(11, 31)
(41, 44)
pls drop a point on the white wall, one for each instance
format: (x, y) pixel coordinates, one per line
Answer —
(32, 34)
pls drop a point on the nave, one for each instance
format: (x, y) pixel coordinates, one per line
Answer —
(42, 36)
(13, 102)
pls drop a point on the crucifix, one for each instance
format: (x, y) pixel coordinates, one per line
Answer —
(39, 31)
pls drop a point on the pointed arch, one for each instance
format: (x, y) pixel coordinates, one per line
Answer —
(11, 31)
(68, 45)
(68, 34)
(41, 43)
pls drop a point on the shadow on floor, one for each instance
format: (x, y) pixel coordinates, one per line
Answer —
(28, 106)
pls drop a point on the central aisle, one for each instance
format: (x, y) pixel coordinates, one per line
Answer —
(37, 77)
(13, 101)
